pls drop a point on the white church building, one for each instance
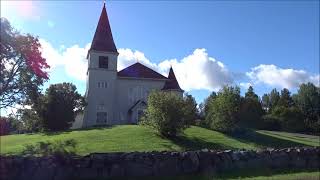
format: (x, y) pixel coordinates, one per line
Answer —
(117, 97)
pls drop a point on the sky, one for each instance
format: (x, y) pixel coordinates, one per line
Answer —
(209, 44)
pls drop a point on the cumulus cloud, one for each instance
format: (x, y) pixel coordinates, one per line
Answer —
(279, 77)
(199, 71)
(73, 59)
(195, 71)
(128, 57)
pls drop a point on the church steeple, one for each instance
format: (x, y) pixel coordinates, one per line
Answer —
(171, 83)
(103, 40)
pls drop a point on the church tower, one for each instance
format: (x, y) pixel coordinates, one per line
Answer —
(101, 75)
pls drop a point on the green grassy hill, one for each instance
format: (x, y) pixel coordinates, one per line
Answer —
(136, 138)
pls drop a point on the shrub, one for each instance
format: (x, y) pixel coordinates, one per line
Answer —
(270, 122)
(223, 110)
(291, 118)
(250, 113)
(165, 113)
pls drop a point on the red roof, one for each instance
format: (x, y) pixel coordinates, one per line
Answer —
(138, 70)
(171, 83)
(103, 40)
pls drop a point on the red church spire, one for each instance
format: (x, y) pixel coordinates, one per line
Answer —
(103, 40)
(171, 83)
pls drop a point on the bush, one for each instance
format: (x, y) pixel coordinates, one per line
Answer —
(223, 110)
(165, 113)
(59, 106)
(270, 122)
(291, 118)
(251, 113)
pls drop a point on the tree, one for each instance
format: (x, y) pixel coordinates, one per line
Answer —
(22, 67)
(251, 110)
(207, 101)
(190, 109)
(265, 102)
(223, 111)
(285, 99)
(250, 94)
(308, 101)
(274, 97)
(60, 104)
(290, 118)
(31, 120)
(165, 113)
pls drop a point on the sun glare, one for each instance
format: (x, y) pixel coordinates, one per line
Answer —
(19, 9)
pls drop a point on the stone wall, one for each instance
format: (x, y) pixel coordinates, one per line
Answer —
(100, 165)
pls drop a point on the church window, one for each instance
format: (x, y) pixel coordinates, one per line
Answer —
(102, 84)
(103, 62)
(100, 107)
(102, 117)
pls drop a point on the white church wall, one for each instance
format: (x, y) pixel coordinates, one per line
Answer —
(129, 91)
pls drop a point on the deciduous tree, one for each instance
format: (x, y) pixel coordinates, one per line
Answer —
(22, 67)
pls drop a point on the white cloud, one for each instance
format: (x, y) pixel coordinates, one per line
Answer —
(128, 57)
(195, 71)
(199, 71)
(73, 59)
(245, 85)
(279, 77)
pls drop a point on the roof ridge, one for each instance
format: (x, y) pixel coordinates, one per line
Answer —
(139, 70)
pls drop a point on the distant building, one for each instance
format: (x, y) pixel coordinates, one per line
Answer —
(117, 97)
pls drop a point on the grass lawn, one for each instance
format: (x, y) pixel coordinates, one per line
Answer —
(136, 138)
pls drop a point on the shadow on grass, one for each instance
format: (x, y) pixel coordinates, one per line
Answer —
(53, 133)
(48, 148)
(264, 141)
(194, 143)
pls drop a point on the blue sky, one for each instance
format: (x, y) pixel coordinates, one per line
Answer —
(209, 44)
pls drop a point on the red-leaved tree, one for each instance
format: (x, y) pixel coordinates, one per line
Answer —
(22, 67)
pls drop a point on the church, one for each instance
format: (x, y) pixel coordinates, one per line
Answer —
(117, 97)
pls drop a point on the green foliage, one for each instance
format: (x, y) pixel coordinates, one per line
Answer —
(190, 109)
(251, 95)
(251, 110)
(290, 118)
(285, 98)
(30, 119)
(59, 106)
(308, 101)
(265, 102)
(270, 122)
(207, 102)
(223, 111)
(165, 113)
(10, 125)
